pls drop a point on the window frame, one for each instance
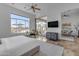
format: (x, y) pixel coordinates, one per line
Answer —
(16, 19)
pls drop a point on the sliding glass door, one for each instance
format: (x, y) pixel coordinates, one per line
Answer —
(41, 27)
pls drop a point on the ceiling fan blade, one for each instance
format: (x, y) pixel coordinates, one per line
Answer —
(37, 8)
(33, 7)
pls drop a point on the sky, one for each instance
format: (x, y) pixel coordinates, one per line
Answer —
(16, 19)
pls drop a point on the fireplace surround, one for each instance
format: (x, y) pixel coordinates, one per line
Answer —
(52, 36)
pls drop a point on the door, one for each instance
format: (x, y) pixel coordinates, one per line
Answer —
(41, 27)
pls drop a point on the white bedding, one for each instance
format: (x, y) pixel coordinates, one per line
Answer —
(18, 45)
(15, 46)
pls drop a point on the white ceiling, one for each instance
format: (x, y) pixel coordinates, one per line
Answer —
(43, 6)
(51, 10)
(72, 12)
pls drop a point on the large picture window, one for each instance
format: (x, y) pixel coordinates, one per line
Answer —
(19, 24)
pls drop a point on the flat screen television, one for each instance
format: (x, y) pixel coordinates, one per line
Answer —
(53, 24)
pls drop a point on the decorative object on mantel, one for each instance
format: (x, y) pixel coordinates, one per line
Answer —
(77, 29)
(66, 24)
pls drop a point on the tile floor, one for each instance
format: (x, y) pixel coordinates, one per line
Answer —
(71, 48)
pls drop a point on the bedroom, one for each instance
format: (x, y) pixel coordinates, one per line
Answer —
(13, 24)
(24, 23)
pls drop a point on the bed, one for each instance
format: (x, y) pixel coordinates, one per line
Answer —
(25, 46)
(18, 45)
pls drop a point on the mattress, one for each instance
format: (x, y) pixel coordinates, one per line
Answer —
(16, 46)
(19, 45)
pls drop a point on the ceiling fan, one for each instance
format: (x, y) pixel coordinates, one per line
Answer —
(34, 7)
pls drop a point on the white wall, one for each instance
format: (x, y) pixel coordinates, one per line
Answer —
(5, 27)
(73, 19)
(54, 13)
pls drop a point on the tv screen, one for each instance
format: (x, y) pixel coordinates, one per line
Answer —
(53, 24)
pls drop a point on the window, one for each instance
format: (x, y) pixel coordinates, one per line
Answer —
(19, 24)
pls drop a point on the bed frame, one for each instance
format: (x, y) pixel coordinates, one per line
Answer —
(32, 52)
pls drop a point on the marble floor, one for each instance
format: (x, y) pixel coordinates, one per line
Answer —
(71, 48)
